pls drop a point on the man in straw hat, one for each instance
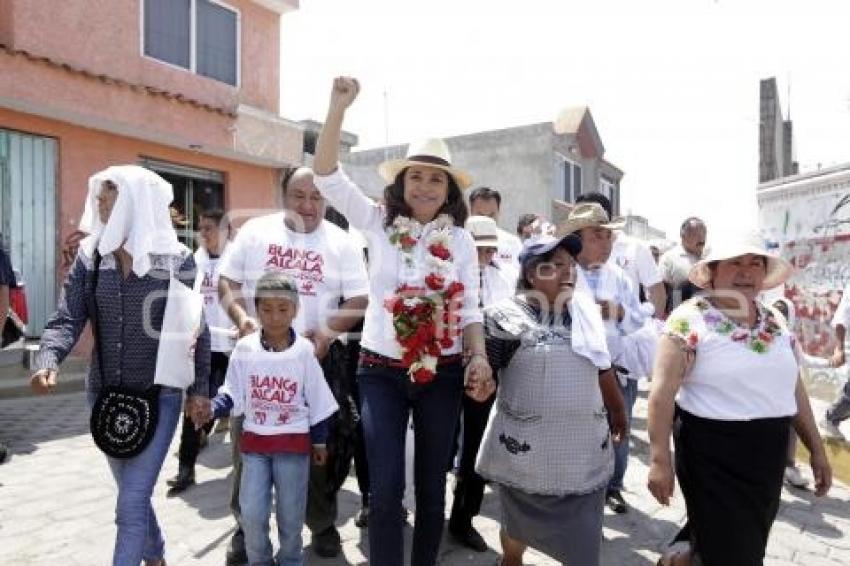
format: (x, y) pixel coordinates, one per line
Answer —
(612, 290)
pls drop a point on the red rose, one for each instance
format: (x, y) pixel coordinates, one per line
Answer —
(440, 251)
(765, 337)
(408, 241)
(446, 342)
(435, 282)
(423, 375)
(454, 289)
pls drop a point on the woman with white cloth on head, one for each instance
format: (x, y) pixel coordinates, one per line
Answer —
(726, 384)
(548, 446)
(133, 242)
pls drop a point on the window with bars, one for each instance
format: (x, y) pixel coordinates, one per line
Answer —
(201, 36)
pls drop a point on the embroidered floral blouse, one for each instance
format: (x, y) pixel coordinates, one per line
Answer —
(737, 373)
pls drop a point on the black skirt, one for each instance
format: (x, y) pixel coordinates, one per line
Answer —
(731, 474)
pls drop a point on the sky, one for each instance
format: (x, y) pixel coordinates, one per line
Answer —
(672, 85)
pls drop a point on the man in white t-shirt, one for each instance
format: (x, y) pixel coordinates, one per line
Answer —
(328, 267)
(214, 233)
(634, 257)
(485, 201)
(623, 315)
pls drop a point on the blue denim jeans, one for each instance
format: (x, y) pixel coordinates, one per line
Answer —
(387, 398)
(621, 450)
(288, 473)
(139, 536)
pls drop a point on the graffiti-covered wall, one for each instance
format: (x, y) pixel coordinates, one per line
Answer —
(807, 218)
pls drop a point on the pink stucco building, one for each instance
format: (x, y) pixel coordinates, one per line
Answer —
(189, 88)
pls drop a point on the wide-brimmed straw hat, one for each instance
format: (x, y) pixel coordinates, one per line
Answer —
(587, 215)
(484, 231)
(778, 269)
(432, 152)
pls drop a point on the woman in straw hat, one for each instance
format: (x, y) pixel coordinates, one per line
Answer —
(422, 320)
(726, 382)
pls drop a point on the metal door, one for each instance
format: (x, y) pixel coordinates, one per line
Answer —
(28, 218)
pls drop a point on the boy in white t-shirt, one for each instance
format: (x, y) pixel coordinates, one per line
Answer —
(275, 381)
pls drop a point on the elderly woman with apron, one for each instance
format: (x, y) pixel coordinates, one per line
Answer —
(548, 445)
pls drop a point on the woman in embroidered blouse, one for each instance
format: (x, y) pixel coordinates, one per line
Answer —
(422, 315)
(726, 383)
(129, 225)
(547, 445)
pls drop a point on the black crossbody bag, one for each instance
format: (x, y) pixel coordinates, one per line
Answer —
(123, 421)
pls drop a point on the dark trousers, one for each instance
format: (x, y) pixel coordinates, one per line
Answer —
(388, 398)
(190, 437)
(361, 465)
(469, 490)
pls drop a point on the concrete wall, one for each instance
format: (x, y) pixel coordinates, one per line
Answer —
(104, 36)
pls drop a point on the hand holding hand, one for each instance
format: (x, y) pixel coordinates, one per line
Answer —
(43, 381)
(199, 410)
(478, 379)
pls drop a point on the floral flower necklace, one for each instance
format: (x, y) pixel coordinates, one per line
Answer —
(425, 318)
(758, 339)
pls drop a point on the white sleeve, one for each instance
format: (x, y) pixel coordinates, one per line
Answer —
(352, 272)
(232, 263)
(467, 267)
(361, 211)
(318, 396)
(648, 273)
(234, 384)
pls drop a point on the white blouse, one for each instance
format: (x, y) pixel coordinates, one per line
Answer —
(737, 373)
(387, 268)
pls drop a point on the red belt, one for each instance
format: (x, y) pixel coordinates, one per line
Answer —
(369, 358)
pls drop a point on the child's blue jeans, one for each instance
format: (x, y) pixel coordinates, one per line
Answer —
(288, 473)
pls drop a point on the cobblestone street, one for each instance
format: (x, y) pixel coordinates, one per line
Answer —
(57, 499)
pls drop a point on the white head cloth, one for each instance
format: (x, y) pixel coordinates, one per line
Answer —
(140, 219)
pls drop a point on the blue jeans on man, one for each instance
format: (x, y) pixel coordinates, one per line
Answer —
(288, 474)
(621, 449)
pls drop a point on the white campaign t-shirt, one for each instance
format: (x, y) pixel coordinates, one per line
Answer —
(278, 392)
(507, 255)
(635, 259)
(326, 264)
(206, 282)
(730, 379)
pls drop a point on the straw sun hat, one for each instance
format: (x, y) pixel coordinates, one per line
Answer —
(587, 215)
(778, 269)
(432, 152)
